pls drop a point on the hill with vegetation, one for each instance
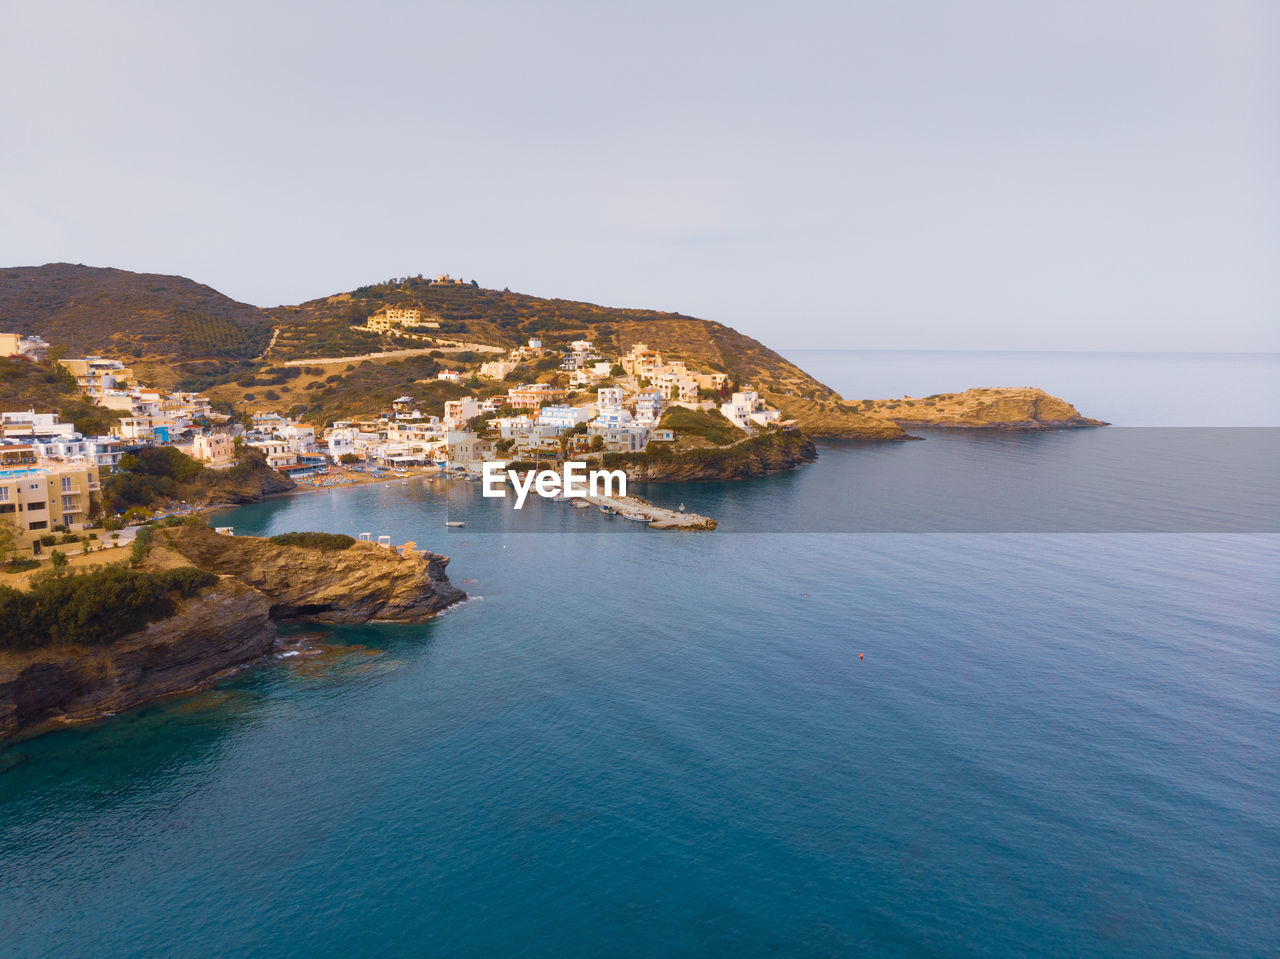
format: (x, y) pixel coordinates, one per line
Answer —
(176, 332)
(470, 314)
(129, 315)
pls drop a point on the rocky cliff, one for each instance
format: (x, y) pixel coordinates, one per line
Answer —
(355, 585)
(225, 626)
(1016, 408)
(759, 455)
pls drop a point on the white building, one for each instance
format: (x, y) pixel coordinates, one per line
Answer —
(746, 408)
(648, 408)
(458, 412)
(341, 442)
(277, 452)
(563, 417)
(609, 398)
(30, 423)
(300, 439)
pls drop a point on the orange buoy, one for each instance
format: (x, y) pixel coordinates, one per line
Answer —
(860, 655)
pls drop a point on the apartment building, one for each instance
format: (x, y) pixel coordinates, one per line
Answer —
(36, 500)
(94, 375)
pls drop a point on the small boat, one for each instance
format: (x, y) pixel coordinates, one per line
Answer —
(636, 517)
(580, 504)
(454, 522)
(607, 509)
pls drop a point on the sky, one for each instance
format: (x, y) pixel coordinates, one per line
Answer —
(861, 175)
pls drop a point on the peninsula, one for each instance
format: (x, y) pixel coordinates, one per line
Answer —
(1018, 408)
(193, 606)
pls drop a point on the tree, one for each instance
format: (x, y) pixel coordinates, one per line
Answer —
(8, 538)
(346, 459)
(59, 560)
(616, 370)
(597, 443)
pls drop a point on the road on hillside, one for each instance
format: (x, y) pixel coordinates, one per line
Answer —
(397, 354)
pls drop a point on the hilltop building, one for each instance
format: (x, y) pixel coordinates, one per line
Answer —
(395, 318)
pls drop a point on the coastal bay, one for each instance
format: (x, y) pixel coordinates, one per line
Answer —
(999, 772)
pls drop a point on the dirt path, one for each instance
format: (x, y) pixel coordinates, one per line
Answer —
(396, 354)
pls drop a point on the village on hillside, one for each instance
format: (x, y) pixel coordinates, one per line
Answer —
(51, 475)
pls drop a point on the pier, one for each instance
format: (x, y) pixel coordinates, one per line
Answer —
(655, 517)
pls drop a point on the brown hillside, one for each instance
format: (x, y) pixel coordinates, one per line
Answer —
(104, 310)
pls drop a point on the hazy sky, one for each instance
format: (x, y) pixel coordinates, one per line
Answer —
(896, 174)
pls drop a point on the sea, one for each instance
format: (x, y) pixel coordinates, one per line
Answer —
(977, 695)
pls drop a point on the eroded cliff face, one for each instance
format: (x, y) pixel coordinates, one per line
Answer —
(355, 585)
(760, 455)
(225, 626)
(1009, 408)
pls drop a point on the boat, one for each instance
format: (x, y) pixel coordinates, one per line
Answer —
(607, 509)
(636, 517)
(580, 504)
(454, 522)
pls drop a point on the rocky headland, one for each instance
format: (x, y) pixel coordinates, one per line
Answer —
(224, 626)
(1003, 408)
(767, 452)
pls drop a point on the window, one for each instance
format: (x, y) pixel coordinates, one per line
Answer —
(4, 494)
(35, 506)
(6, 507)
(66, 484)
(69, 504)
(39, 524)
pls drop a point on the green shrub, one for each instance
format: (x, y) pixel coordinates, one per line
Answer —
(92, 607)
(327, 542)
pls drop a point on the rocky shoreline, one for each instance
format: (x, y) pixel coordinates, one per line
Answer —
(224, 627)
(759, 455)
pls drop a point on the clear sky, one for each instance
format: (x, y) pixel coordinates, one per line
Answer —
(894, 174)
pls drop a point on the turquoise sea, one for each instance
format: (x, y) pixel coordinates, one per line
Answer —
(976, 695)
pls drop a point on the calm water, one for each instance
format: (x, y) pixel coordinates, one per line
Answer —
(636, 744)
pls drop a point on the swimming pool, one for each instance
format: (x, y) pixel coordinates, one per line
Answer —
(26, 471)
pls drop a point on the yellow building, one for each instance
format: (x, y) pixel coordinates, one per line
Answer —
(36, 499)
(399, 318)
(96, 374)
(16, 344)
